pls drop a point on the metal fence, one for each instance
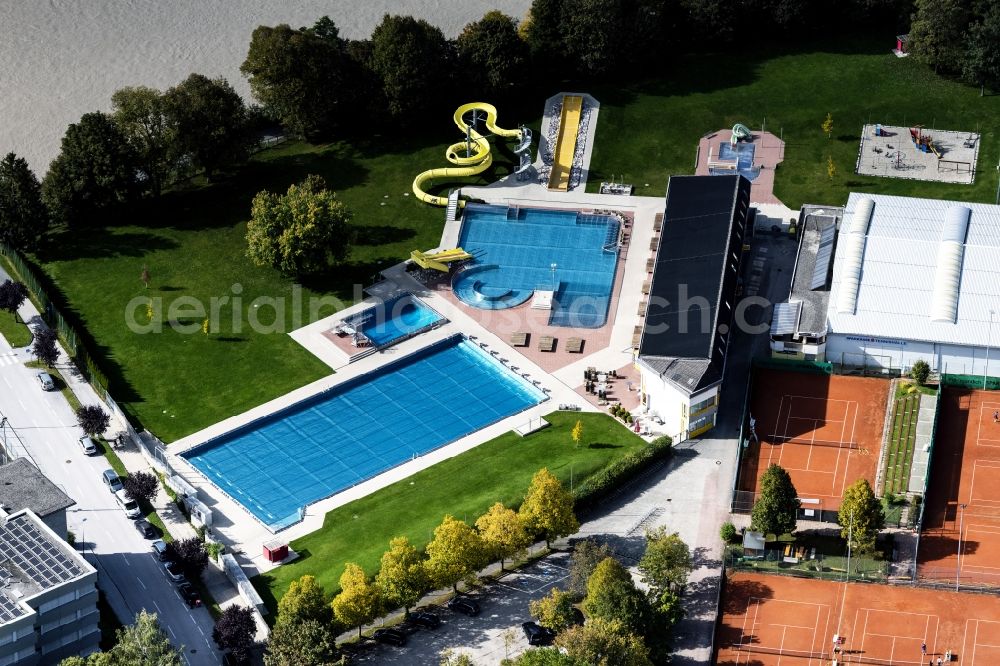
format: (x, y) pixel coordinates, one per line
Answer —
(971, 381)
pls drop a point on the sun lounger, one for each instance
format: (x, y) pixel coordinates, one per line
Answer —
(547, 343)
(519, 339)
(658, 222)
(574, 345)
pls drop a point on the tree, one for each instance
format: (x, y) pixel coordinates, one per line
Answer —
(593, 35)
(543, 657)
(554, 610)
(454, 554)
(144, 644)
(401, 578)
(211, 123)
(727, 532)
(491, 53)
(503, 533)
(12, 297)
(542, 30)
(937, 34)
(449, 658)
(235, 630)
(982, 60)
(141, 486)
(92, 419)
(358, 601)
(831, 168)
(95, 169)
(861, 516)
(303, 78)
(666, 563)
(587, 554)
(777, 504)
(612, 595)
(44, 347)
(412, 60)
(828, 125)
(920, 371)
(304, 600)
(190, 554)
(303, 643)
(548, 507)
(603, 642)
(141, 115)
(23, 217)
(301, 232)
(577, 434)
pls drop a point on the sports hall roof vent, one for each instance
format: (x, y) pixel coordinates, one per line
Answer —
(948, 277)
(854, 252)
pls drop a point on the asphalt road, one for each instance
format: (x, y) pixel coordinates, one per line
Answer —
(130, 576)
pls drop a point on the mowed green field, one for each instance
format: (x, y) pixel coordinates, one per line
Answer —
(193, 245)
(647, 132)
(464, 486)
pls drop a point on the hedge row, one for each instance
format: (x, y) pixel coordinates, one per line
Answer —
(606, 481)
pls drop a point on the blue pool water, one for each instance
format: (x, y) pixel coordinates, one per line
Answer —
(743, 154)
(395, 319)
(361, 428)
(516, 248)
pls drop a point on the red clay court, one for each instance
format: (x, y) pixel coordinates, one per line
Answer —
(825, 430)
(965, 470)
(780, 620)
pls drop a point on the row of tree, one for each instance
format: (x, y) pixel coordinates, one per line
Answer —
(861, 516)
(308, 623)
(958, 37)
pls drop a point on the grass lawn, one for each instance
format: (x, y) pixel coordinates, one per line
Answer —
(464, 486)
(14, 331)
(193, 243)
(902, 441)
(647, 132)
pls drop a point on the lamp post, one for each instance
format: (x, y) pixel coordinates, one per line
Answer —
(958, 564)
(989, 334)
(553, 267)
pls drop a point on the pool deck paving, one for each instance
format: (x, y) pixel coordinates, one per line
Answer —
(769, 151)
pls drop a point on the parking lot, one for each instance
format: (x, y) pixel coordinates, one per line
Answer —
(487, 638)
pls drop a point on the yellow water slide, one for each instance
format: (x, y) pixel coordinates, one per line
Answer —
(562, 157)
(466, 163)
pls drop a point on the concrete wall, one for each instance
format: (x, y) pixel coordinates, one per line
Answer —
(671, 405)
(901, 354)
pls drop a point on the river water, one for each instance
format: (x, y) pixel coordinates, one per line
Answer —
(60, 59)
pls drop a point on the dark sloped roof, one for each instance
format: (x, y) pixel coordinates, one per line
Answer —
(690, 262)
(688, 375)
(22, 486)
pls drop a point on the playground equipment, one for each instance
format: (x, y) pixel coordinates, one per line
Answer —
(923, 141)
(740, 133)
(439, 260)
(473, 156)
(562, 157)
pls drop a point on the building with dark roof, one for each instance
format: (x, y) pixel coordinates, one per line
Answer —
(692, 299)
(48, 600)
(22, 486)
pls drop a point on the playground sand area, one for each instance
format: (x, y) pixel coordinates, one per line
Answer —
(892, 153)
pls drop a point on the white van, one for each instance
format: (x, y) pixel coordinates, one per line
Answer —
(128, 505)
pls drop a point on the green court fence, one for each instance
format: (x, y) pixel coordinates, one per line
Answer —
(793, 365)
(971, 381)
(54, 319)
(823, 567)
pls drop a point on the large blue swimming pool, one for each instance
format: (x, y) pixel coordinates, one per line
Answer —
(520, 250)
(361, 428)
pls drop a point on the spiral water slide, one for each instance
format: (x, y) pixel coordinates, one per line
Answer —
(470, 157)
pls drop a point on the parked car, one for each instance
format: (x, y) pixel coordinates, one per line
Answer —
(464, 605)
(112, 480)
(47, 382)
(146, 529)
(88, 445)
(128, 505)
(189, 594)
(160, 549)
(174, 572)
(425, 619)
(390, 636)
(537, 634)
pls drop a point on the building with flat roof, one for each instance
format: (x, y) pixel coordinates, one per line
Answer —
(22, 486)
(692, 299)
(916, 279)
(798, 326)
(48, 601)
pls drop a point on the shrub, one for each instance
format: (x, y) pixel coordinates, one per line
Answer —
(603, 482)
(920, 371)
(727, 532)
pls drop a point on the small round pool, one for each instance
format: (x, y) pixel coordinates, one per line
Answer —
(479, 286)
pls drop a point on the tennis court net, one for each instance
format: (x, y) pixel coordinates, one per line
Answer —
(845, 657)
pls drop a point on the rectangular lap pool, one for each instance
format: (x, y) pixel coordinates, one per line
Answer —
(361, 428)
(394, 320)
(521, 250)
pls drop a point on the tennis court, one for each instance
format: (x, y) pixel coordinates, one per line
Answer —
(824, 430)
(962, 519)
(772, 620)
